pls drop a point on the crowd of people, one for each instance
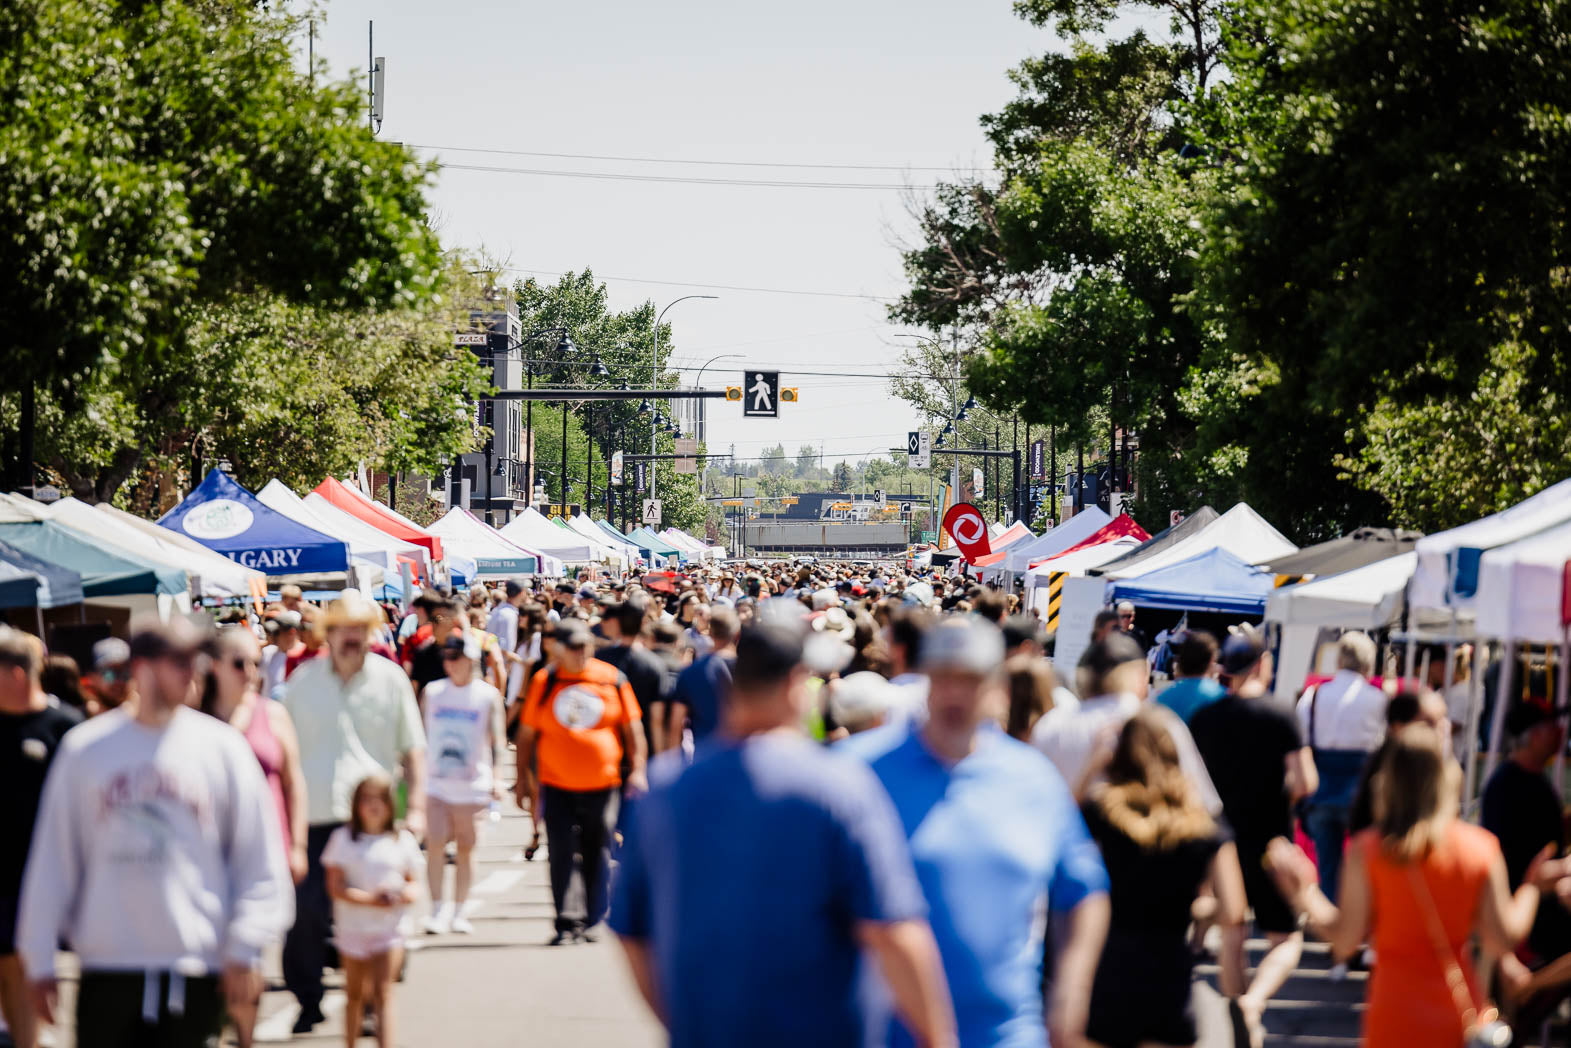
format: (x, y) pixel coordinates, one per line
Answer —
(815, 805)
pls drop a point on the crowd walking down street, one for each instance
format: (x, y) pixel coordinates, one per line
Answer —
(863, 811)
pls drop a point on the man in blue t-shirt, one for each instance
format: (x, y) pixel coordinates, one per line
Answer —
(998, 844)
(701, 688)
(753, 881)
(1194, 670)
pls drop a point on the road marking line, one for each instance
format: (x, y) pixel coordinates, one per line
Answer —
(496, 882)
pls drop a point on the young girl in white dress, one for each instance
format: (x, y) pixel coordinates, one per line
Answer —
(371, 867)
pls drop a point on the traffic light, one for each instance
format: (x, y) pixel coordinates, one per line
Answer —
(788, 395)
(733, 393)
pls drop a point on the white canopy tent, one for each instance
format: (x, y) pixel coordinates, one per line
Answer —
(214, 575)
(606, 551)
(1448, 561)
(495, 556)
(1076, 563)
(587, 528)
(531, 530)
(1071, 532)
(364, 541)
(1240, 531)
(1521, 589)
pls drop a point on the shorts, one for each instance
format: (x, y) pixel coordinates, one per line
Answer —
(1272, 913)
(362, 946)
(459, 823)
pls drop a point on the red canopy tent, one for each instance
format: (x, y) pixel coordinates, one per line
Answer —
(1122, 526)
(377, 516)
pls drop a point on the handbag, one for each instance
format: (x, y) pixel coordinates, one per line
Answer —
(1480, 1029)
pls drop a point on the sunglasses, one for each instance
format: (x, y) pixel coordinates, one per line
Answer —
(240, 662)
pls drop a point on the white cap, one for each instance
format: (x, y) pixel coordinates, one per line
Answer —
(968, 645)
(860, 698)
(824, 599)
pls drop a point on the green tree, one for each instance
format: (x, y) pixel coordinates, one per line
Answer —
(162, 159)
(806, 460)
(774, 461)
(844, 477)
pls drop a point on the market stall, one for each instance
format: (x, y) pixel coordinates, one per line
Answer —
(1242, 532)
(1071, 532)
(1213, 581)
(364, 541)
(494, 556)
(532, 530)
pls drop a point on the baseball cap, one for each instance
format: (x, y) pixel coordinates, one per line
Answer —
(917, 593)
(1524, 716)
(1239, 653)
(287, 620)
(465, 645)
(824, 599)
(111, 651)
(572, 633)
(154, 639)
(968, 645)
(860, 697)
(587, 592)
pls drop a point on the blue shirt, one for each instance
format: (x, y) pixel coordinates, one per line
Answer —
(747, 874)
(702, 687)
(998, 841)
(1189, 694)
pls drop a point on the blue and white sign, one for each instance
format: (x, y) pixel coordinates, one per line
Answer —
(228, 519)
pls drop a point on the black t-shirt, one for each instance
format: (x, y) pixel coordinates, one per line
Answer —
(1244, 743)
(646, 673)
(28, 742)
(1152, 890)
(1520, 808)
(425, 665)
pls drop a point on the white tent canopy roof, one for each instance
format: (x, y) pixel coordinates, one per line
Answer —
(1520, 588)
(476, 539)
(531, 530)
(217, 575)
(364, 541)
(1365, 598)
(1071, 532)
(586, 527)
(1240, 531)
(606, 551)
(1434, 581)
(1080, 560)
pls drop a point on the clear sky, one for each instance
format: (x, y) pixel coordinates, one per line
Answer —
(896, 84)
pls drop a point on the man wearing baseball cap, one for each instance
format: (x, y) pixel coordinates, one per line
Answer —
(1254, 749)
(582, 724)
(956, 772)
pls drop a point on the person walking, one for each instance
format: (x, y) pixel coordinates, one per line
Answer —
(624, 625)
(582, 723)
(355, 716)
(1163, 851)
(1344, 721)
(1194, 672)
(371, 866)
(769, 838)
(699, 694)
(31, 730)
(1422, 882)
(1261, 767)
(997, 839)
(463, 728)
(159, 858)
(230, 694)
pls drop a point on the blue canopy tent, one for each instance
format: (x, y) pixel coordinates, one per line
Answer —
(53, 585)
(1211, 581)
(644, 538)
(225, 517)
(643, 551)
(102, 574)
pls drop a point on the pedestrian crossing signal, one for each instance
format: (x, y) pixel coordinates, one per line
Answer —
(733, 393)
(788, 395)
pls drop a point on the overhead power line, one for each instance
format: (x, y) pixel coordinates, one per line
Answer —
(670, 160)
(718, 287)
(611, 176)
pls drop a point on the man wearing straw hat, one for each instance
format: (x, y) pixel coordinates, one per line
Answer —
(356, 716)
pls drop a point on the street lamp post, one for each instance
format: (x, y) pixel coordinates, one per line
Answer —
(654, 381)
(698, 383)
(563, 348)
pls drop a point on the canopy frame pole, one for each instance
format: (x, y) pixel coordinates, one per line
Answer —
(1561, 682)
(1475, 705)
(1411, 655)
(1508, 671)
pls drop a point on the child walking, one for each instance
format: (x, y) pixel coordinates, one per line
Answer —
(371, 866)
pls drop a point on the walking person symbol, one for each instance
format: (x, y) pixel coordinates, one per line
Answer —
(762, 400)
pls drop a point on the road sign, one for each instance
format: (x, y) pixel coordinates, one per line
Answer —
(761, 394)
(919, 448)
(616, 468)
(469, 338)
(686, 447)
(1038, 460)
(880, 498)
(651, 511)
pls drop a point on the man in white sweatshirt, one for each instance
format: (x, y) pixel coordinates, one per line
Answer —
(158, 858)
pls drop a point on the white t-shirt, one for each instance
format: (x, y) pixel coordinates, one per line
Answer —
(372, 863)
(503, 625)
(274, 661)
(1349, 714)
(458, 724)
